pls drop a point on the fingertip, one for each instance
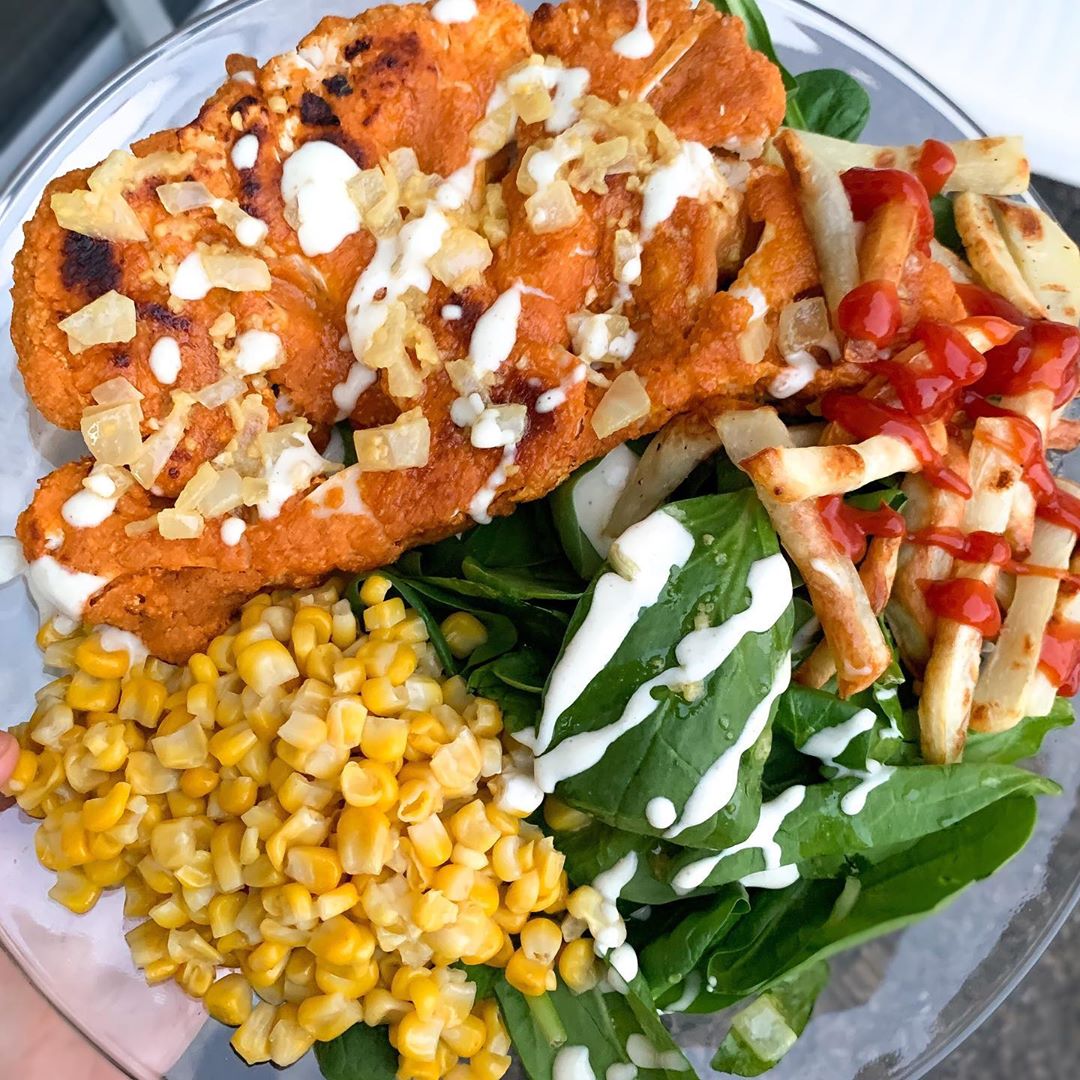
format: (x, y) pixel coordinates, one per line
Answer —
(9, 755)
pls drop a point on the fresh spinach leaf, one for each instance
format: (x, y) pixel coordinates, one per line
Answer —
(669, 752)
(348, 445)
(601, 1023)
(521, 584)
(945, 231)
(673, 952)
(520, 707)
(362, 1053)
(483, 977)
(809, 921)
(831, 102)
(1022, 741)
(765, 1030)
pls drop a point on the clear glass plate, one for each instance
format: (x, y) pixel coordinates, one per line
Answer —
(895, 1007)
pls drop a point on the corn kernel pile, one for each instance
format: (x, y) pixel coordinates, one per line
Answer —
(309, 819)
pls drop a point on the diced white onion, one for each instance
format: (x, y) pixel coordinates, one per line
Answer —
(404, 444)
(625, 402)
(108, 319)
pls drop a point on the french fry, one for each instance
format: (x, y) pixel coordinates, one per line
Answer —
(839, 599)
(791, 474)
(1045, 256)
(668, 460)
(1064, 434)
(958, 269)
(1009, 671)
(876, 573)
(990, 166)
(953, 669)
(887, 241)
(907, 613)
(990, 255)
(827, 214)
(1041, 692)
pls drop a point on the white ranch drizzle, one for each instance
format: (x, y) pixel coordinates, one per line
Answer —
(113, 639)
(495, 333)
(245, 151)
(653, 547)
(597, 492)
(692, 174)
(165, 360)
(190, 282)
(348, 483)
(624, 962)
(621, 1071)
(257, 351)
(314, 188)
(637, 43)
(763, 837)
(87, 509)
(55, 588)
(481, 502)
(646, 1056)
(691, 989)
(451, 312)
(800, 372)
(453, 11)
(551, 399)
(714, 790)
(827, 745)
(699, 654)
(660, 812)
(291, 471)
(232, 529)
(571, 1062)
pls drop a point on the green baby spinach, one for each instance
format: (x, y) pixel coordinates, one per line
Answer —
(361, 1053)
(669, 752)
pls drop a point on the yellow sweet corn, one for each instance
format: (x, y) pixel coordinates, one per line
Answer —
(464, 633)
(264, 665)
(229, 1000)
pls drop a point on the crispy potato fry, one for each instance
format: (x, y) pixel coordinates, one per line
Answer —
(876, 574)
(908, 616)
(839, 599)
(887, 241)
(953, 669)
(1038, 406)
(1041, 692)
(990, 166)
(827, 213)
(791, 474)
(668, 460)
(990, 255)
(1047, 259)
(1009, 671)
(1064, 434)
(958, 269)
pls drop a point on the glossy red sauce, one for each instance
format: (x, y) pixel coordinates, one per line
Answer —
(869, 189)
(986, 547)
(966, 601)
(934, 166)
(871, 312)
(865, 418)
(849, 526)
(1059, 659)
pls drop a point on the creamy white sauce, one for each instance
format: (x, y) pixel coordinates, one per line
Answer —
(653, 547)
(571, 1062)
(113, 639)
(165, 360)
(801, 369)
(625, 962)
(399, 264)
(453, 11)
(86, 509)
(610, 884)
(314, 187)
(637, 43)
(190, 282)
(250, 231)
(597, 492)
(55, 588)
(245, 151)
(518, 793)
(645, 1056)
(612, 881)
(621, 1071)
(699, 654)
(691, 989)
(763, 838)
(451, 312)
(256, 351)
(691, 175)
(551, 399)
(714, 790)
(348, 483)
(827, 745)
(291, 471)
(570, 85)
(490, 431)
(495, 333)
(755, 297)
(480, 503)
(232, 529)
(245, 76)
(660, 812)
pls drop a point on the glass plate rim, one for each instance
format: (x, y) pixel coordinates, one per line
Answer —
(25, 172)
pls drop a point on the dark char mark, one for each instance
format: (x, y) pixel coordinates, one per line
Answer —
(337, 85)
(89, 264)
(315, 111)
(360, 45)
(163, 316)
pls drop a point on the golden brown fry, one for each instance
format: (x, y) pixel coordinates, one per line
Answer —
(990, 255)
(953, 669)
(1041, 692)
(839, 599)
(887, 241)
(959, 270)
(1010, 669)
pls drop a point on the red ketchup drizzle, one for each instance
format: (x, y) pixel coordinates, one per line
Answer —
(869, 189)
(986, 547)
(870, 312)
(1060, 657)
(967, 601)
(865, 418)
(934, 166)
(849, 526)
